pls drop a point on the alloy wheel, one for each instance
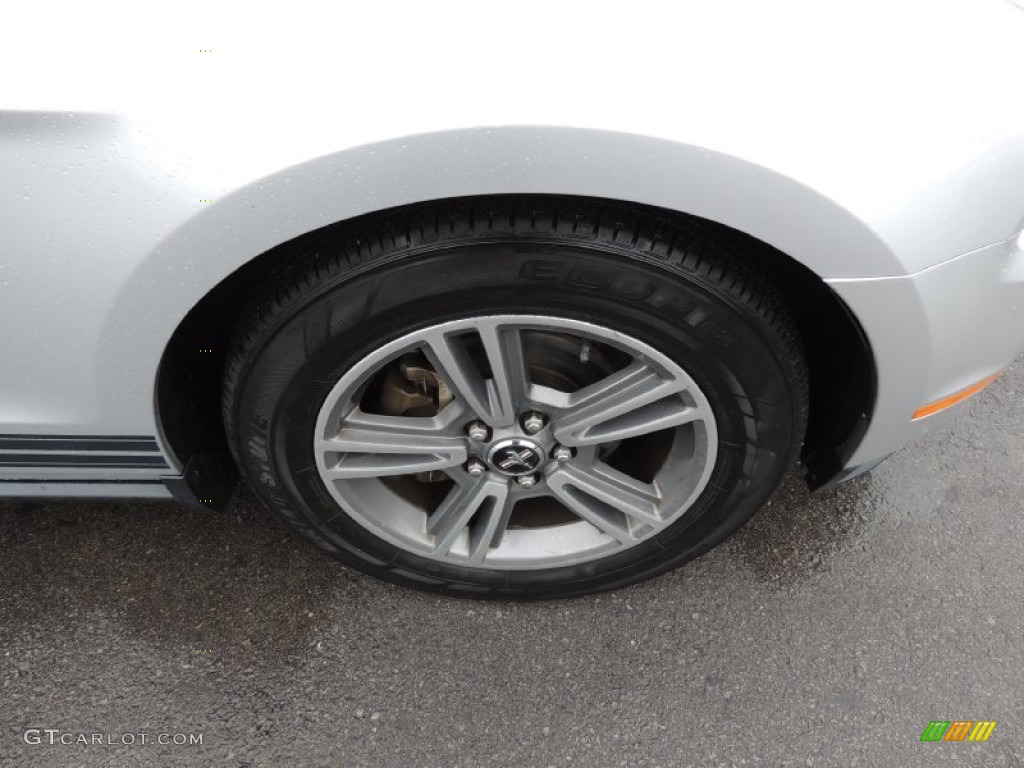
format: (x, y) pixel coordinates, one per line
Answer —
(515, 442)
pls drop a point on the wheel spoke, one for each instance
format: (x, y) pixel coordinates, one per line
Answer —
(370, 445)
(609, 499)
(634, 401)
(490, 529)
(510, 376)
(489, 399)
(459, 507)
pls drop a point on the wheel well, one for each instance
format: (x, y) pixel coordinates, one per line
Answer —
(840, 363)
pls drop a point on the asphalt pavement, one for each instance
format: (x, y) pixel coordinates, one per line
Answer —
(829, 632)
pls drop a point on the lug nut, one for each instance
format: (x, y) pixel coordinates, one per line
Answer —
(478, 431)
(562, 453)
(527, 481)
(475, 467)
(533, 422)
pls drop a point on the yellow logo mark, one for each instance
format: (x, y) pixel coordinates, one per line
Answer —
(982, 731)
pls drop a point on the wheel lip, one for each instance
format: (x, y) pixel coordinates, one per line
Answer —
(357, 376)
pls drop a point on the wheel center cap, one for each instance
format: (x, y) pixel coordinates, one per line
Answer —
(515, 456)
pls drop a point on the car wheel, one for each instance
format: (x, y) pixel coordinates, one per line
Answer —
(516, 397)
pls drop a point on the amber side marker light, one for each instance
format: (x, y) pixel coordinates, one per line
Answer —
(956, 397)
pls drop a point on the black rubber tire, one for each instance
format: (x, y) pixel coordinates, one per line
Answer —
(676, 282)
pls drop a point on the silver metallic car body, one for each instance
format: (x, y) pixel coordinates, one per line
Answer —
(879, 144)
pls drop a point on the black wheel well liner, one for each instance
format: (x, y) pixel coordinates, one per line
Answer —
(840, 363)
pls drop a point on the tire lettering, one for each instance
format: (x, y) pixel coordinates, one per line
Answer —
(673, 302)
(588, 277)
(630, 286)
(547, 271)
